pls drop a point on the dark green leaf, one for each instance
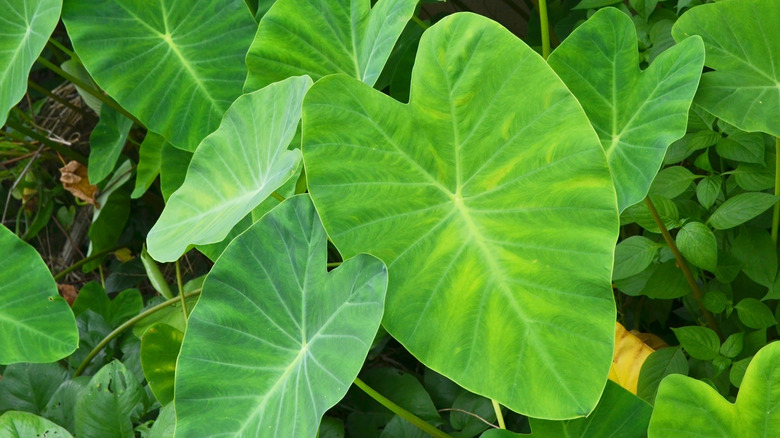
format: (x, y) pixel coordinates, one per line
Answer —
(740, 208)
(690, 143)
(755, 314)
(732, 346)
(697, 243)
(106, 143)
(160, 347)
(738, 369)
(149, 158)
(672, 182)
(26, 425)
(754, 248)
(666, 282)
(29, 387)
(640, 214)
(743, 147)
(699, 342)
(708, 189)
(715, 301)
(633, 255)
(110, 403)
(61, 407)
(658, 365)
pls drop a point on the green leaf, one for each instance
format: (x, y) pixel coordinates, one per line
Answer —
(489, 198)
(756, 177)
(741, 208)
(124, 306)
(755, 250)
(754, 314)
(742, 146)
(619, 413)
(592, 4)
(181, 64)
(686, 407)
(15, 424)
(633, 255)
(672, 182)
(697, 243)
(106, 143)
(173, 169)
(108, 221)
(742, 48)
(149, 158)
(666, 282)
(165, 424)
(688, 144)
(155, 276)
(715, 301)
(233, 170)
(469, 425)
(275, 336)
(75, 68)
(61, 406)
(160, 347)
(699, 342)
(658, 365)
(737, 372)
(708, 190)
(640, 213)
(109, 404)
(732, 346)
(638, 120)
(36, 323)
(27, 25)
(29, 387)
(315, 38)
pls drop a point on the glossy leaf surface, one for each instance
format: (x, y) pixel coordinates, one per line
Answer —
(637, 114)
(317, 38)
(233, 170)
(176, 66)
(275, 339)
(489, 198)
(37, 325)
(742, 47)
(26, 26)
(687, 407)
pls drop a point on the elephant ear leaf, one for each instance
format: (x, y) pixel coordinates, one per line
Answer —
(742, 48)
(489, 198)
(686, 407)
(37, 324)
(318, 38)
(26, 28)
(275, 339)
(637, 114)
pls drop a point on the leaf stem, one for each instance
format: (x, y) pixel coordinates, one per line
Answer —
(697, 295)
(127, 324)
(499, 415)
(545, 28)
(181, 291)
(776, 211)
(83, 261)
(420, 23)
(73, 155)
(401, 412)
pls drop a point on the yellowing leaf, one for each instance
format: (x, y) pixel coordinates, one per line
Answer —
(630, 354)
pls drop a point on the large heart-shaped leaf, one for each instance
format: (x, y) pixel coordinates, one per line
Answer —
(275, 339)
(490, 200)
(36, 323)
(15, 424)
(742, 46)
(637, 114)
(233, 170)
(686, 407)
(26, 26)
(176, 66)
(317, 38)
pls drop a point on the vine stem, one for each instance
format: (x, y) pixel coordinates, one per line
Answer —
(545, 28)
(401, 412)
(776, 211)
(81, 262)
(499, 415)
(697, 295)
(126, 325)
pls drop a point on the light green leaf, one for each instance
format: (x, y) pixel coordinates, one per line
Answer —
(489, 198)
(160, 347)
(658, 365)
(109, 404)
(181, 64)
(740, 208)
(697, 243)
(708, 189)
(689, 408)
(149, 157)
(106, 143)
(638, 119)
(14, 424)
(742, 48)
(316, 38)
(633, 255)
(755, 250)
(155, 276)
(276, 340)
(699, 342)
(233, 170)
(755, 314)
(733, 345)
(27, 25)
(618, 414)
(36, 323)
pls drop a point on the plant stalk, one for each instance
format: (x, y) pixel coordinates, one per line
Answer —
(83, 261)
(499, 415)
(181, 291)
(697, 295)
(545, 28)
(403, 413)
(776, 211)
(46, 140)
(127, 324)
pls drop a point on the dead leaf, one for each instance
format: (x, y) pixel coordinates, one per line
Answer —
(68, 291)
(74, 179)
(630, 354)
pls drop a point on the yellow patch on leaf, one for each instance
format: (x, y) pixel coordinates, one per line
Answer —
(630, 354)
